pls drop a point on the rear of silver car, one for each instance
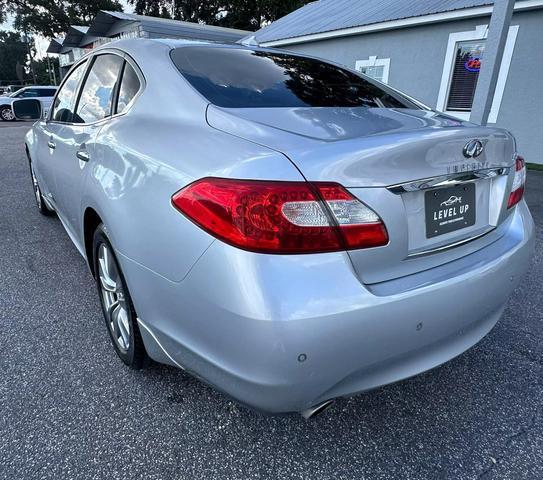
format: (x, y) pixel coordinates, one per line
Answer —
(284, 332)
(298, 330)
(441, 238)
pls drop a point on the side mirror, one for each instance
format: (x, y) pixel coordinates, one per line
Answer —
(27, 109)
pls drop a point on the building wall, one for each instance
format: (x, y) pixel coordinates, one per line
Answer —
(417, 55)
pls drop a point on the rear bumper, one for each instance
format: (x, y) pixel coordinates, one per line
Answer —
(243, 321)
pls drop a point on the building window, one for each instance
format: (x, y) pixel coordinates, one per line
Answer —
(376, 72)
(467, 63)
(374, 67)
(465, 51)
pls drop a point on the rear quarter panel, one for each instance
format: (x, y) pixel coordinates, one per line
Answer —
(160, 145)
(141, 159)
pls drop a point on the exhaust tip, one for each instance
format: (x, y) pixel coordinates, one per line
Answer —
(317, 409)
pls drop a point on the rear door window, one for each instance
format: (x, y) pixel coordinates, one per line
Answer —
(245, 78)
(97, 93)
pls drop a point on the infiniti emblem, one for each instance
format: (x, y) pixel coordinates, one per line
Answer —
(473, 149)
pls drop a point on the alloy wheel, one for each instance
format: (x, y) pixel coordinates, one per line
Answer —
(114, 298)
(7, 114)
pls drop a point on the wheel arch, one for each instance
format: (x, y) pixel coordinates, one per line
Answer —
(91, 220)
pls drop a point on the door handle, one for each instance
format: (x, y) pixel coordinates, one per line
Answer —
(82, 155)
(51, 144)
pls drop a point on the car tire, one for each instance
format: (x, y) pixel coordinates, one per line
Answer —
(40, 202)
(117, 307)
(6, 114)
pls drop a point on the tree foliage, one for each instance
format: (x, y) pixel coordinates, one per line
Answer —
(252, 15)
(43, 70)
(241, 14)
(13, 51)
(53, 17)
(15, 61)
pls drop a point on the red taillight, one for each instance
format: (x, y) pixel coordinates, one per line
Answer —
(517, 190)
(281, 217)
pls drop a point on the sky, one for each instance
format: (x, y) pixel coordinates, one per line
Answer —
(41, 42)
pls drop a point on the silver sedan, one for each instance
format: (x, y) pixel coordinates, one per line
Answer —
(285, 229)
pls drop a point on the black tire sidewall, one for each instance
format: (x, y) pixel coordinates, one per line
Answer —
(128, 357)
(43, 208)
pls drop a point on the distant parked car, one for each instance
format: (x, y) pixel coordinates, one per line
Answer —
(286, 229)
(43, 93)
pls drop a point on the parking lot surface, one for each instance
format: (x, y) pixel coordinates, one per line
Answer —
(69, 409)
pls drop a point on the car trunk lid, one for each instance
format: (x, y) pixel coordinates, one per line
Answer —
(409, 166)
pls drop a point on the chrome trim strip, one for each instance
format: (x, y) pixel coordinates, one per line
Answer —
(449, 245)
(447, 180)
(159, 344)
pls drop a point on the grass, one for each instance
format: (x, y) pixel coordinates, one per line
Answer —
(535, 166)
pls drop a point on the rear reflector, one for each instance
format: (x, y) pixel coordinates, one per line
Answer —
(519, 180)
(281, 217)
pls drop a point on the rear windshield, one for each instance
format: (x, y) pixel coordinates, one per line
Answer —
(244, 78)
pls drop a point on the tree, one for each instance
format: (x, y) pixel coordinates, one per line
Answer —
(53, 17)
(253, 15)
(43, 68)
(153, 8)
(241, 14)
(13, 52)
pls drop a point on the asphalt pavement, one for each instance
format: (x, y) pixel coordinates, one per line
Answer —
(69, 409)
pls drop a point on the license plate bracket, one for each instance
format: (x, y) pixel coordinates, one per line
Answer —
(449, 209)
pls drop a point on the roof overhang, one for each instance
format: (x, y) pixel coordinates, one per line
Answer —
(74, 36)
(402, 23)
(104, 20)
(107, 23)
(55, 45)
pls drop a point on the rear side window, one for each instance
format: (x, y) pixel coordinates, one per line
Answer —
(245, 78)
(97, 93)
(63, 108)
(130, 85)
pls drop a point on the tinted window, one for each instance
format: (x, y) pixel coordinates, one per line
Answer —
(130, 84)
(244, 78)
(63, 108)
(27, 93)
(97, 93)
(47, 92)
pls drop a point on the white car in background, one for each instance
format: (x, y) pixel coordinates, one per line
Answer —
(43, 93)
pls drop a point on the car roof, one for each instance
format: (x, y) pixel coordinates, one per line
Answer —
(150, 46)
(36, 86)
(183, 42)
(168, 42)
